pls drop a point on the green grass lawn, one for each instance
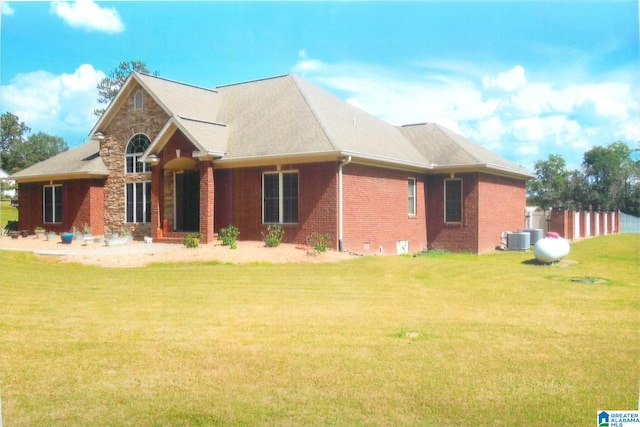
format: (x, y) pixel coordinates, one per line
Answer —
(7, 213)
(434, 340)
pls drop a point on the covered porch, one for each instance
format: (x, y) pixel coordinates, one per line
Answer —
(182, 185)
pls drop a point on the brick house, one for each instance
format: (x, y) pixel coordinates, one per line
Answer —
(274, 151)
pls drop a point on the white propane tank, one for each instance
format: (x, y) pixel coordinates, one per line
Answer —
(551, 249)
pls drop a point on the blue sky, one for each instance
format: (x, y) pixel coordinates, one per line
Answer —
(525, 79)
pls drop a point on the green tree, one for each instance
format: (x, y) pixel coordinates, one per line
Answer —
(612, 177)
(551, 185)
(38, 147)
(109, 86)
(12, 134)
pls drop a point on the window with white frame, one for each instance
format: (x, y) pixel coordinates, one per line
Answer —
(412, 196)
(280, 197)
(138, 103)
(135, 148)
(453, 200)
(52, 204)
(138, 206)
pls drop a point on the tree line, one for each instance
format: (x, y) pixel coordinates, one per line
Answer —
(609, 179)
(19, 151)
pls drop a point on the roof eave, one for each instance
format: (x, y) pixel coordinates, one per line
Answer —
(278, 159)
(386, 162)
(483, 167)
(208, 155)
(318, 157)
(61, 177)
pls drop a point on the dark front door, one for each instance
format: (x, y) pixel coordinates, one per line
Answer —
(188, 201)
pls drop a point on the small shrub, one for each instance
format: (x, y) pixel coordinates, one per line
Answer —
(273, 235)
(192, 240)
(229, 236)
(319, 241)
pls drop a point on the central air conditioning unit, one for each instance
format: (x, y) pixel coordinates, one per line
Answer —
(518, 241)
(535, 233)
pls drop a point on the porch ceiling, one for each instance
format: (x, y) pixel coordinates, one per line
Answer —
(180, 163)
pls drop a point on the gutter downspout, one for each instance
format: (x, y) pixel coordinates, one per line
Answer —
(345, 161)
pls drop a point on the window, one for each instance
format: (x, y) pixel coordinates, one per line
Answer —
(412, 197)
(280, 198)
(138, 101)
(52, 206)
(453, 200)
(135, 148)
(138, 199)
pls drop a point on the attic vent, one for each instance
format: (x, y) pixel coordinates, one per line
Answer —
(137, 101)
(518, 241)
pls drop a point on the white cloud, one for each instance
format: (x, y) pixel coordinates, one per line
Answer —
(89, 16)
(509, 81)
(55, 104)
(306, 65)
(7, 10)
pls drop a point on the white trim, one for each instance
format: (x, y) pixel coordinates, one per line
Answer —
(345, 161)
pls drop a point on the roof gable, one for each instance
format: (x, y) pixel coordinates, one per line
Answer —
(174, 98)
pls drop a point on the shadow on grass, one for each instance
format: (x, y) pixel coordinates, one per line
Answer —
(535, 262)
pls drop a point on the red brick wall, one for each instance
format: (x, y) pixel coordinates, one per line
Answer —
(560, 222)
(492, 205)
(82, 203)
(30, 207)
(501, 208)
(375, 207)
(238, 201)
(453, 237)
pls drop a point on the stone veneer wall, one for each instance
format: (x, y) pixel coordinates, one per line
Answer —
(127, 122)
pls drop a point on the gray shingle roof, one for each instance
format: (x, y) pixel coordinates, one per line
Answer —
(448, 150)
(269, 118)
(181, 99)
(83, 161)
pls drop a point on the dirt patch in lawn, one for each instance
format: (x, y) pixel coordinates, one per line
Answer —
(136, 254)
